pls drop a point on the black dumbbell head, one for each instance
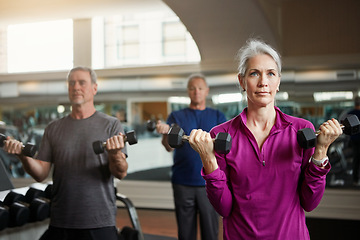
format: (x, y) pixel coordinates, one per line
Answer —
(306, 138)
(48, 191)
(98, 147)
(12, 197)
(131, 137)
(222, 143)
(39, 210)
(4, 217)
(19, 214)
(174, 137)
(33, 193)
(150, 125)
(2, 139)
(29, 150)
(351, 125)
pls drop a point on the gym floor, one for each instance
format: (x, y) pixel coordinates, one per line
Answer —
(163, 223)
(155, 222)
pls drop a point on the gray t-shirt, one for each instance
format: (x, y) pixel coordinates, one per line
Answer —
(83, 191)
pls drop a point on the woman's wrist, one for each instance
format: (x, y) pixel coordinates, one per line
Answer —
(320, 163)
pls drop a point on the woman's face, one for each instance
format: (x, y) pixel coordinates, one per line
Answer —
(261, 80)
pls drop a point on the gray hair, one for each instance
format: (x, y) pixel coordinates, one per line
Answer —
(194, 76)
(85, 69)
(252, 48)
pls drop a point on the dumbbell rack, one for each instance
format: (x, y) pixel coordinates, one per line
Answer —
(32, 230)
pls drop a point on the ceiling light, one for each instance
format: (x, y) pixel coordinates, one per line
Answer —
(282, 96)
(227, 98)
(180, 100)
(332, 96)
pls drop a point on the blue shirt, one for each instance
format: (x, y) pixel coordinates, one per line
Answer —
(187, 163)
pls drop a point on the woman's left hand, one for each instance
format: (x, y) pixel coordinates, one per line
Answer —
(329, 132)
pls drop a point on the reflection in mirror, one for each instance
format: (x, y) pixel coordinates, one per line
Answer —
(148, 160)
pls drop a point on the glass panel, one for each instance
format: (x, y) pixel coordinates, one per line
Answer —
(40, 46)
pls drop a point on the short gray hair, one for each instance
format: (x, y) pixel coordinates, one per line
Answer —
(194, 76)
(85, 69)
(252, 48)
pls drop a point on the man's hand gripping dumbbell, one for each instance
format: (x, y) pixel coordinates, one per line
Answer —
(115, 143)
(14, 146)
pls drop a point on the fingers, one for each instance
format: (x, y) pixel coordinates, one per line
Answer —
(330, 130)
(201, 141)
(162, 128)
(332, 127)
(200, 136)
(115, 143)
(12, 146)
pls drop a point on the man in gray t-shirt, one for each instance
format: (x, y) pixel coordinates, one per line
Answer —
(83, 196)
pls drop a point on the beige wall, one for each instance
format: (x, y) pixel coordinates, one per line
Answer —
(320, 27)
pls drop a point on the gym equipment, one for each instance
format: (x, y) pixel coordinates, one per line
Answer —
(4, 216)
(99, 146)
(39, 207)
(306, 137)
(127, 232)
(151, 125)
(18, 213)
(48, 191)
(28, 149)
(34, 195)
(176, 137)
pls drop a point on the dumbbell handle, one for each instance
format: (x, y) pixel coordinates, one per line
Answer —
(317, 133)
(186, 138)
(125, 140)
(99, 146)
(222, 141)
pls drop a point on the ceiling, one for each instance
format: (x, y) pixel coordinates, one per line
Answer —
(310, 35)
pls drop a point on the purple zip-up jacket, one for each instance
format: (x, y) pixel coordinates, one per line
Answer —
(263, 194)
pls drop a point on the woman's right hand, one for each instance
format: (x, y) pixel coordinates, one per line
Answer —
(202, 143)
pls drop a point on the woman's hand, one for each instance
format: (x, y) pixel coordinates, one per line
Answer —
(329, 132)
(202, 143)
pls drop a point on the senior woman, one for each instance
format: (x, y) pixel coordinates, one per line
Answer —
(262, 187)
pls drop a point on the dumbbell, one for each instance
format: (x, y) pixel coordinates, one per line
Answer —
(28, 149)
(176, 137)
(306, 137)
(39, 208)
(4, 216)
(99, 146)
(48, 191)
(18, 213)
(34, 194)
(151, 125)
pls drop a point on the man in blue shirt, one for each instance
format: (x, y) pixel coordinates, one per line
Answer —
(188, 185)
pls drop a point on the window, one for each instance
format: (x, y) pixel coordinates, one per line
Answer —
(152, 38)
(40, 46)
(174, 35)
(130, 43)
